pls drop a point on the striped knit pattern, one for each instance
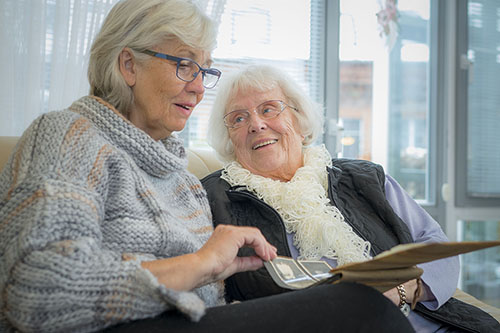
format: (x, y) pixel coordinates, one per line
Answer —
(85, 197)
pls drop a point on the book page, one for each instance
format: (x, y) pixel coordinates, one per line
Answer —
(383, 272)
(406, 255)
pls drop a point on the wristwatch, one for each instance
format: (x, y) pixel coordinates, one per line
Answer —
(403, 306)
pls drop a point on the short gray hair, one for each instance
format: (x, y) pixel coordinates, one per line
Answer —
(139, 25)
(261, 78)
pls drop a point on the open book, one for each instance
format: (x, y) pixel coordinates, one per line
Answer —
(385, 271)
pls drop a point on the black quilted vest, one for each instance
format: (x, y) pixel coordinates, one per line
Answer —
(356, 188)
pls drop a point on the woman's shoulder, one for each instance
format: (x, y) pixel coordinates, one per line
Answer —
(54, 140)
(56, 130)
(214, 181)
(355, 164)
(55, 126)
(361, 172)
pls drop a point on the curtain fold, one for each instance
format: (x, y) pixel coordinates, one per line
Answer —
(21, 74)
(45, 53)
(45, 49)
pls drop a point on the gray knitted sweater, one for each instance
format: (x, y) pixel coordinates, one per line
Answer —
(85, 197)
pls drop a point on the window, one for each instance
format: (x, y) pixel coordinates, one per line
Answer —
(47, 45)
(476, 210)
(259, 31)
(384, 89)
(480, 272)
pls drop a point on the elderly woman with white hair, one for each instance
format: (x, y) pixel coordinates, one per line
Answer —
(310, 206)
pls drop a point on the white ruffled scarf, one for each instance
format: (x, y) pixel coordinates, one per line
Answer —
(319, 227)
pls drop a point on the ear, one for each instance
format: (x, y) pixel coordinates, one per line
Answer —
(128, 66)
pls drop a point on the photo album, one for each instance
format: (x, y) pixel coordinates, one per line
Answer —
(385, 271)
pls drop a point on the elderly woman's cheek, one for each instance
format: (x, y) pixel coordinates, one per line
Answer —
(292, 136)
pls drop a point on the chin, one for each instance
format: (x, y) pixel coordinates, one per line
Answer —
(179, 127)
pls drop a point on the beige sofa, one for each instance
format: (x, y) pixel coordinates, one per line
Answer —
(203, 162)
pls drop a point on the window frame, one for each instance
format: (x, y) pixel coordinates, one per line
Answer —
(331, 78)
(437, 162)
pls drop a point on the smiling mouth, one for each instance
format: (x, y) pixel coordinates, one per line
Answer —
(265, 143)
(183, 106)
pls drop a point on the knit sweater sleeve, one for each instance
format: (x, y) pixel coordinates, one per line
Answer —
(57, 271)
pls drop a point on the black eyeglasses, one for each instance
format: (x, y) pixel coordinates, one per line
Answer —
(188, 69)
(267, 110)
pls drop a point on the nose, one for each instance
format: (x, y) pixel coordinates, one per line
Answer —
(196, 85)
(255, 122)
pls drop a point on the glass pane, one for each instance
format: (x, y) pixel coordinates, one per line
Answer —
(483, 153)
(258, 31)
(384, 88)
(480, 270)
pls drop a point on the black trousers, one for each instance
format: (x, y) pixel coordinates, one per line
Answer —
(345, 307)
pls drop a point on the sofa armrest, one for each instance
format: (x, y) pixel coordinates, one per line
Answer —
(7, 144)
(467, 298)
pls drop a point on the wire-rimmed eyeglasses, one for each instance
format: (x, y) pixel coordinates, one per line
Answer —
(266, 110)
(188, 69)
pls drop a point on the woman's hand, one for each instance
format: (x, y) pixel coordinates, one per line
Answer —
(215, 261)
(222, 247)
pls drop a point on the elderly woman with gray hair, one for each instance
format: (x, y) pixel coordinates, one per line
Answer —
(101, 223)
(311, 206)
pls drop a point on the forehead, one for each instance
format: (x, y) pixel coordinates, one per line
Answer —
(176, 48)
(250, 98)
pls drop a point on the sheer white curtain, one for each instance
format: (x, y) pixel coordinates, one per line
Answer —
(45, 47)
(44, 51)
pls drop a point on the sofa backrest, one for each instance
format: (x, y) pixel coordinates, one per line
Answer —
(201, 162)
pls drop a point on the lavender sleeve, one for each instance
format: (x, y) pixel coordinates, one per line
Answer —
(440, 276)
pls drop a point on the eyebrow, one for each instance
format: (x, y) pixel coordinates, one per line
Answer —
(208, 63)
(236, 108)
(191, 55)
(240, 108)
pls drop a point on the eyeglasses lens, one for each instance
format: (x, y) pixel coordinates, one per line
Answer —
(266, 110)
(188, 70)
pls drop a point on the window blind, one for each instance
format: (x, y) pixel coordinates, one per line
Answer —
(483, 115)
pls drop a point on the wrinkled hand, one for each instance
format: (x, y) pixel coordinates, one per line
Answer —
(221, 249)
(215, 261)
